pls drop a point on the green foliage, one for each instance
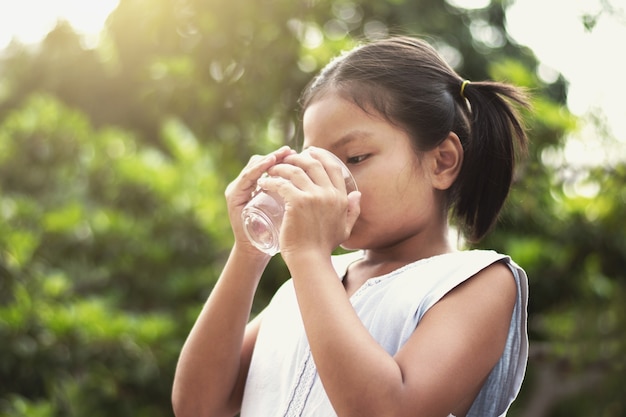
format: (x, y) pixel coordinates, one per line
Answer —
(104, 244)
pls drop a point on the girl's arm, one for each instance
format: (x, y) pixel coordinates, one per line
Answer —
(213, 364)
(439, 370)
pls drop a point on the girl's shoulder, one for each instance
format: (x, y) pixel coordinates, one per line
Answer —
(469, 260)
(424, 282)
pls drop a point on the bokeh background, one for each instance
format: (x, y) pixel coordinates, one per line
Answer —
(115, 152)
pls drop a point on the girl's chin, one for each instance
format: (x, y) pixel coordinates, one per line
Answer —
(354, 242)
(349, 245)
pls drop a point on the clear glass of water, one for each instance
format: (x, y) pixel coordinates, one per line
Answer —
(263, 215)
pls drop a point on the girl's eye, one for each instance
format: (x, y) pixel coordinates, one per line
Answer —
(357, 159)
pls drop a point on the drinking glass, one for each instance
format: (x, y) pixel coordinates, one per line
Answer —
(263, 215)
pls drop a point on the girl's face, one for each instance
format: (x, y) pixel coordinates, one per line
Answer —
(398, 202)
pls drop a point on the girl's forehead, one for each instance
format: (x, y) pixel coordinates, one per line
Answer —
(338, 111)
(332, 119)
(335, 123)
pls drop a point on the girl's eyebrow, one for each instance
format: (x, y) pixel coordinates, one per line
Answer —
(351, 137)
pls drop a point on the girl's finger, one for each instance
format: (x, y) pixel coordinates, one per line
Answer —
(240, 190)
(259, 164)
(332, 165)
(295, 174)
(317, 169)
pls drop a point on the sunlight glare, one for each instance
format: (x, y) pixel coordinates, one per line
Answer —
(469, 4)
(29, 21)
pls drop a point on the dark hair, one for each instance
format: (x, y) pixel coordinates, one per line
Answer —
(409, 83)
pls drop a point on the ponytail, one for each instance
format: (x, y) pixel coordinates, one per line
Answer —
(496, 134)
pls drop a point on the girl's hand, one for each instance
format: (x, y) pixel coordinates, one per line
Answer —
(319, 214)
(239, 191)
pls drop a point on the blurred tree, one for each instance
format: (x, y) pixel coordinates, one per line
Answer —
(112, 222)
(103, 247)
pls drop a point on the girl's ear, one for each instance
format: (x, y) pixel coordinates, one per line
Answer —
(447, 160)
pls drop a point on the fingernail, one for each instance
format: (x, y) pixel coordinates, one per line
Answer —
(259, 182)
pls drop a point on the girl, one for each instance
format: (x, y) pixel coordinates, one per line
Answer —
(406, 325)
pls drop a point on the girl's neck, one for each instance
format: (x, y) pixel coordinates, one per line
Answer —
(411, 250)
(377, 261)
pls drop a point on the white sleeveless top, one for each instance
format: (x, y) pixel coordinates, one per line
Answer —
(283, 382)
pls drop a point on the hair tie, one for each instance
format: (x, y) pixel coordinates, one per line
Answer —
(466, 82)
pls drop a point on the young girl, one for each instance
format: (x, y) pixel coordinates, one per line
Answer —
(406, 325)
